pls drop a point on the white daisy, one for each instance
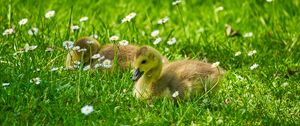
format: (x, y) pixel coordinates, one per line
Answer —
(123, 42)
(23, 21)
(86, 110)
(82, 50)
(83, 19)
(216, 64)
(49, 49)
(68, 44)
(107, 63)
(76, 48)
(96, 56)
(29, 48)
(90, 42)
(54, 69)
(285, 84)
(36, 80)
(172, 41)
(8, 31)
(114, 38)
(33, 31)
(238, 53)
(219, 121)
(87, 68)
(201, 30)
(254, 66)
(218, 9)
(154, 33)
(176, 2)
(157, 40)
(269, 1)
(163, 21)
(75, 27)
(50, 14)
(175, 94)
(97, 65)
(248, 35)
(76, 64)
(251, 53)
(94, 36)
(5, 84)
(128, 17)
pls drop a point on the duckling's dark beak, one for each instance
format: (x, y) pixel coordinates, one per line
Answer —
(136, 74)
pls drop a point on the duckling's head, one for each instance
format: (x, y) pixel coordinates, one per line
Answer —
(146, 60)
(90, 45)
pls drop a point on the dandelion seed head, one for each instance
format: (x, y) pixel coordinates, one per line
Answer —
(23, 21)
(50, 14)
(123, 42)
(86, 110)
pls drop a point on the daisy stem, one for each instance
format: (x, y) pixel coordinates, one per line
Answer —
(116, 48)
(183, 24)
(9, 13)
(79, 79)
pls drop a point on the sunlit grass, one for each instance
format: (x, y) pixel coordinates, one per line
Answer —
(263, 94)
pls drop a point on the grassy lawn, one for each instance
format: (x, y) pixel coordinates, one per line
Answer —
(261, 85)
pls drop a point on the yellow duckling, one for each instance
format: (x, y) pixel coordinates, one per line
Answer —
(179, 79)
(125, 53)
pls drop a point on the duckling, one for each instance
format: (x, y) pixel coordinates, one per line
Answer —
(90, 47)
(125, 54)
(180, 79)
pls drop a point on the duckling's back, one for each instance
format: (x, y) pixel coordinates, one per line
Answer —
(125, 54)
(197, 77)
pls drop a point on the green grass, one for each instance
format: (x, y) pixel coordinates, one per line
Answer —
(260, 98)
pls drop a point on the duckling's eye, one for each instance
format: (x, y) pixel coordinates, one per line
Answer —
(144, 61)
